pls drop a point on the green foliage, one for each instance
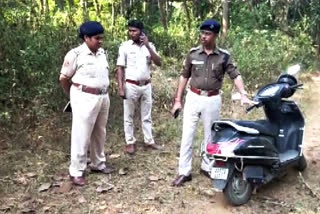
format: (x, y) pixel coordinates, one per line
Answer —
(34, 43)
(267, 53)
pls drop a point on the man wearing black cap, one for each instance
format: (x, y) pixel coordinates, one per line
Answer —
(135, 57)
(85, 79)
(206, 66)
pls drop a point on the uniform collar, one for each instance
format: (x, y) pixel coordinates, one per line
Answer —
(87, 51)
(215, 51)
(131, 42)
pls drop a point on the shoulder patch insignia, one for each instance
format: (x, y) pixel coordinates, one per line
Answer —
(66, 64)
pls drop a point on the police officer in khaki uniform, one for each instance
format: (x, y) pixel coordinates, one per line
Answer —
(85, 79)
(135, 57)
(206, 66)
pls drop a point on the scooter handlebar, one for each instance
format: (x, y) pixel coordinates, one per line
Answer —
(297, 86)
(250, 108)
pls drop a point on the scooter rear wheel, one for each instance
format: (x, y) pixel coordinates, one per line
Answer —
(238, 191)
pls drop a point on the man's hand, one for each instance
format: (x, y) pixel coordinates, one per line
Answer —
(246, 100)
(122, 94)
(144, 40)
(176, 107)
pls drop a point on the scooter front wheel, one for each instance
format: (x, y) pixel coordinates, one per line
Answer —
(237, 191)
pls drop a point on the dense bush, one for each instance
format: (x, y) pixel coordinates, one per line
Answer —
(32, 52)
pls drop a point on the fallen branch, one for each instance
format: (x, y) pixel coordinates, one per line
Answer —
(277, 202)
(313, 193)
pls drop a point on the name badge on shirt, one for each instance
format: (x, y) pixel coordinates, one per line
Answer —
(196, 62)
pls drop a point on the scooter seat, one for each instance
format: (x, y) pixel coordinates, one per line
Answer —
(263, 126)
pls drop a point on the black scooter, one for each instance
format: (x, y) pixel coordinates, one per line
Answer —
(246, 154)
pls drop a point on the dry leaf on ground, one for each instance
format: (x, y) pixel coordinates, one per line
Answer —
(65, 187)
(122, 171)
(114, 156)
(153, 178)
(82, 199)
(31, 174)
(44, 187)
(105, 188)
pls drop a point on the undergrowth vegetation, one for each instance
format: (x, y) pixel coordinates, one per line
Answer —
(32, 51)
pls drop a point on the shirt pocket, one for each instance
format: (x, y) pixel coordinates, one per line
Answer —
(131, 58)
(217, 72)
(197, 68)
(90, 69)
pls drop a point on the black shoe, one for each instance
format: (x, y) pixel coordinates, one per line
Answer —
(181, 179)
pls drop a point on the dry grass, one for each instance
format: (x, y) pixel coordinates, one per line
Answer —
(35, 156)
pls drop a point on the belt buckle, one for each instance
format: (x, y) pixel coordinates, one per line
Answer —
(103, 91)
(203, 93)
(142, 82)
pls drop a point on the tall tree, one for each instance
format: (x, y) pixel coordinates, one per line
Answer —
(163, 13)
(225, 20)
(85, 14)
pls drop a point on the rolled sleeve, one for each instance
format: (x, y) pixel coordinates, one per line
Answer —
(153, 47)
(69, 65)
(231, 69)
(121, 61)
(187, 66)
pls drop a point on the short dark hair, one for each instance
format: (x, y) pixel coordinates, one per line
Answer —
(136, 24)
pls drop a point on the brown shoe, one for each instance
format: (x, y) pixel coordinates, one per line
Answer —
(106, 170)
(130, 149)
(153, 146)
(80, 181)
(181, 179)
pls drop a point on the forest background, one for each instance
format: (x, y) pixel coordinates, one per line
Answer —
(264, 36)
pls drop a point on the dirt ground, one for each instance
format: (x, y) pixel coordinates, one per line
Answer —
(34, 172)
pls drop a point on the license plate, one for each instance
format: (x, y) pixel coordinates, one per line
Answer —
(219, 173)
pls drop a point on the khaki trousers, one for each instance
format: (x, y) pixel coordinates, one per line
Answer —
(197, 107)
(135, 94)
(89, 120)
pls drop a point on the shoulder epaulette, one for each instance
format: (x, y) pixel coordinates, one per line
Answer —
(194, 49)
(224, 51)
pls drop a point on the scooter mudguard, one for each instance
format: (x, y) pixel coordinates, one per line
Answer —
(254, 175)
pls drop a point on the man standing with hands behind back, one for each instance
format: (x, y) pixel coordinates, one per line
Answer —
(134, 84)
(206, 66)
(84, 78)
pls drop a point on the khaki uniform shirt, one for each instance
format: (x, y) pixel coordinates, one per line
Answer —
(207, 71)
(83, 67)
(135, 59)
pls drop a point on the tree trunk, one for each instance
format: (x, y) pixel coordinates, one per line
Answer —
(41, 7)
(187, 14)
(47, 8)
(71, 3)
(225, 20)
(85, 14)
(113, 15)
(97, 7)
(163, 14)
